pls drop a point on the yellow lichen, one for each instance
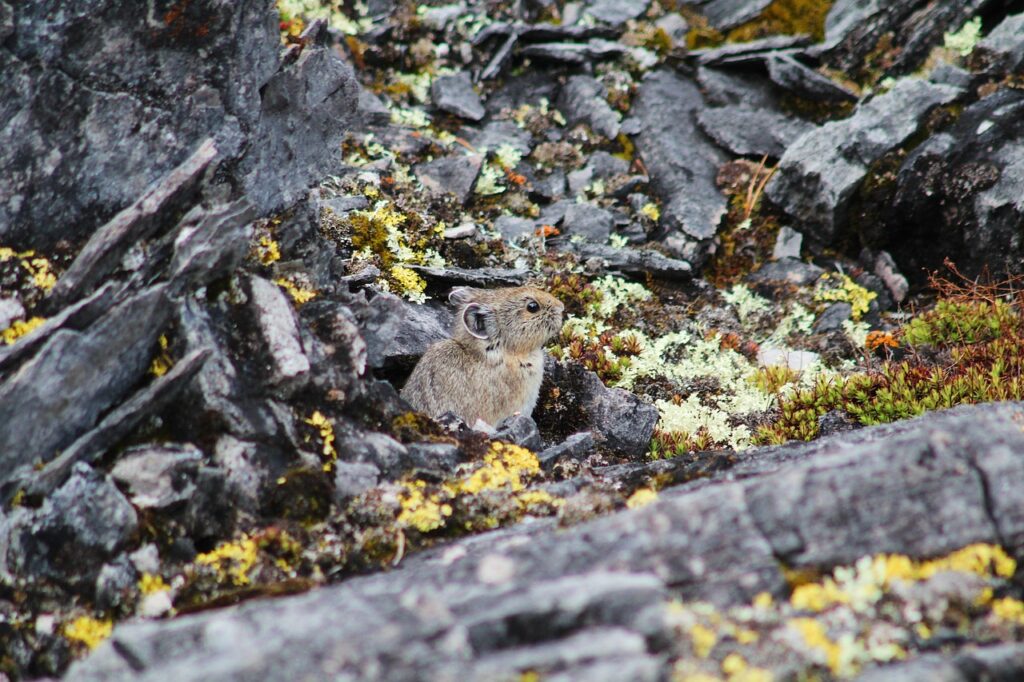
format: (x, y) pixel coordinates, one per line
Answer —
(839, 287)
(815, 637)
(267, 250)
(505, 466)
(411, 285)
(88, 630)
(299, 294)
(151, 583)
(323, 425)
(36, 266)
(162, 362)
(1009, 609)
(641, 498)
(737, 669)
(528, 499)
(232, 560)
(703, 639)
(20, 328)
(420, 510)
(651, 211)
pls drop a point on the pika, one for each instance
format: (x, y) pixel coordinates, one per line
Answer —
(493, 365)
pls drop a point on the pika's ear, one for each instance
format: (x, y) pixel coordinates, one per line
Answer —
(479, 320)
(462, 295)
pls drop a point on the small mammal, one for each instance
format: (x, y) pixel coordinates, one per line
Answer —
(493, 365)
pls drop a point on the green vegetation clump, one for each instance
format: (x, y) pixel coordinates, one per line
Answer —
(968, 349)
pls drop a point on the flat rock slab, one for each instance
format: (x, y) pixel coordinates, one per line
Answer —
(583, 100)
(451, 175)
(924, 487)
(455, 95)
(820, 172)
(747, 131)
(681, 161)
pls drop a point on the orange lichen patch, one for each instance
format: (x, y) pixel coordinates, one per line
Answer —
(878, 339)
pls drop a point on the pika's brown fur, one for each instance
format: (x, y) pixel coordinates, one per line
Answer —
(493, 365)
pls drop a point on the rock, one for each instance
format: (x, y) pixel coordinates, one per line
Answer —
(10, 310)
(682, 163)
(791, 75)
(835, 421)
(157, 477)
(115, 582)
(796, 360)
(820, 172)
(440, 457)
(743, 54)
(588, 221)
(288, 367)
(787, 243)
(885, 268)
(398, 331)
(994, 661)
(246, 470)
(787, 270)
(726, 14)
(352, 479)
(616, 12)
(496, 134)
(636, 262)
(813, 505)
(833, 317)
(751, 132)
(594, 49)
(620, 422)
(195, 87)
(852, 28)
(513, 228)
(476, 277)
(575, 447)
(451, 175)
(370, 110)
(82, 525)
(724, 87)
(463, 231)
(44, 408)
(676, 28)
(584, 100)
(550, 186)
(455, 95)
(1002, 49)
(519, 429)
(956, 195)
(384, 452)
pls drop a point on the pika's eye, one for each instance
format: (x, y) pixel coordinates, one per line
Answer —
(533, 306)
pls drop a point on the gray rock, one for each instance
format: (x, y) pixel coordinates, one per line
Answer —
(398, 331)
(820, 172)
(10, 310)
(44, 408)
(463, 231)
(817, 504)
(616, 12)
(745, 54)
(1003, 48)
(725, 14)
(636, 262)
(443, 457)
(835, 421)
(477, 277)
(352, 479)
(245, 471)
(791, 75)
(574, 53)
(455, 95)
(384, 452)
(289, 367)
(370, 110)
(751, 132)
(550, 186)
(950, 74)
(498, 133)
(620, 422)
(157, 477)
(519, 429)
(584, 100)
(156, 89)
(675, 27)
(683, 164)
(82, 525)
(957, 194)
(788, 270)
(451, 175)
(885, 268)
(723, 87)
(787, 243)
(115, 582)
(833, 317)
(576, 447)
(514, 228)
(989, 662)
(589, 221)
